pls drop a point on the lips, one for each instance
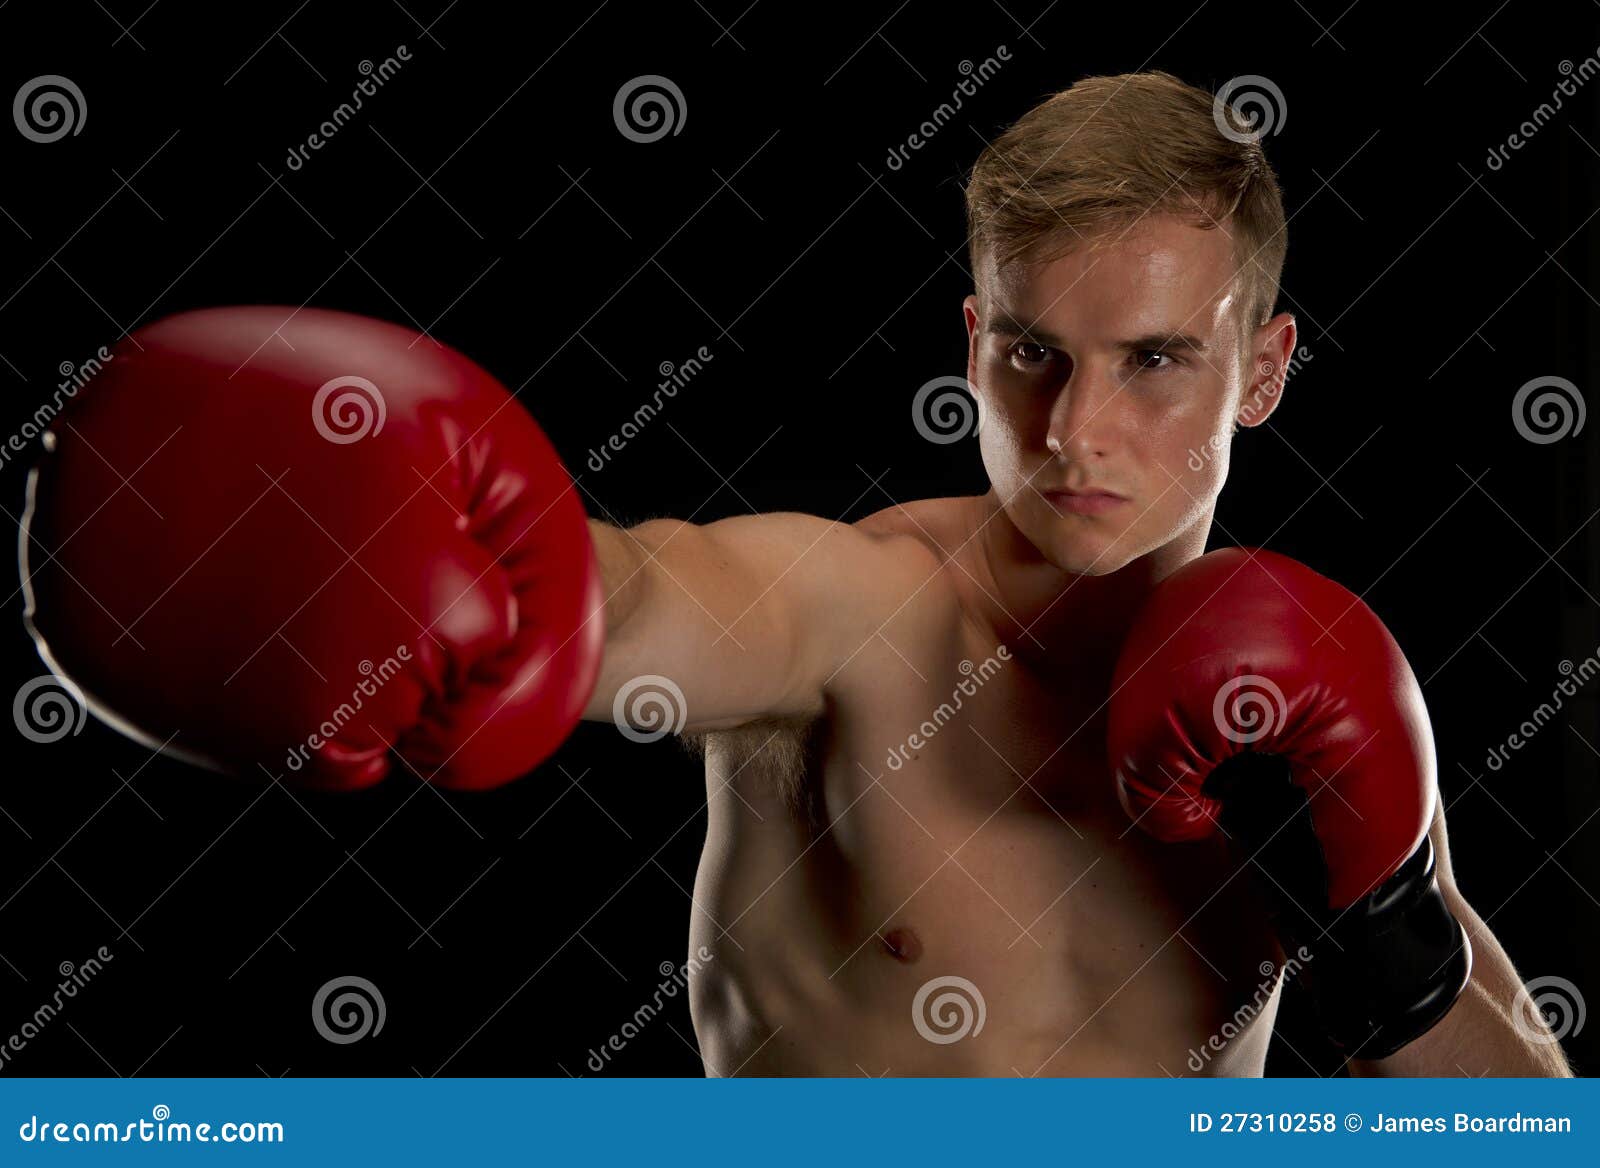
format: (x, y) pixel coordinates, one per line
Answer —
(1086, 493)
(1083, 502)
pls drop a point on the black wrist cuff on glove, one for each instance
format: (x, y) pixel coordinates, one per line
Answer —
(1382, 971)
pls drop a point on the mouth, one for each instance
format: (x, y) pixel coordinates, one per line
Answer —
(1086, 502)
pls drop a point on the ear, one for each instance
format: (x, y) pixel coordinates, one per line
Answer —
(1272, 345)
(969, 310)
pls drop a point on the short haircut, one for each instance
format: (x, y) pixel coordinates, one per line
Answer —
(1087, 163)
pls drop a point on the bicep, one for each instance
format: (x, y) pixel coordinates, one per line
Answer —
(748, 616)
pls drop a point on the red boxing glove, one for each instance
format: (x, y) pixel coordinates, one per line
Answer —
(305, 539)
(1255, 695)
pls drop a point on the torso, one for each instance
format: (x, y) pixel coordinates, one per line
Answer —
(992, 861)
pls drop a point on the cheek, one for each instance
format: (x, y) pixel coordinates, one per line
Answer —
(1190, 444)
(1004, 433)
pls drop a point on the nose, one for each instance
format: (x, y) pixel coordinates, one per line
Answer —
(1082, 418)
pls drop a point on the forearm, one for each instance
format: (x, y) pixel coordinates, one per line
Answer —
(1481, 1035)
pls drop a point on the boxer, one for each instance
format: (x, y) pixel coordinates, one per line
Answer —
(986, 790)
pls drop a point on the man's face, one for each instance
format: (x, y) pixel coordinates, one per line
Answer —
(1118, 370)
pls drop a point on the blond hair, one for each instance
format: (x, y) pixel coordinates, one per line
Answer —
(1092, 160)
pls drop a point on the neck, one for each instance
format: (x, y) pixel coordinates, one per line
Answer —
(1063, 622)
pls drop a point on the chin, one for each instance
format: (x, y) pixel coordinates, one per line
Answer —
(1086, 553)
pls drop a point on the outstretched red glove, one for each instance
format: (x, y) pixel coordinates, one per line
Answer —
(294, 539)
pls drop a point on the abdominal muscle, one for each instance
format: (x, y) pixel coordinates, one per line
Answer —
(981, 909)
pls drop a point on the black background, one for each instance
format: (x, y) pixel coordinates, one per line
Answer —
(486, 195)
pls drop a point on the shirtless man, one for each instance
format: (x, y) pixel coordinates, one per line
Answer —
(917, 862)
(834, 884)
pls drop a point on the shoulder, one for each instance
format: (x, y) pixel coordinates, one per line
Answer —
(917, 550)
(937, 526)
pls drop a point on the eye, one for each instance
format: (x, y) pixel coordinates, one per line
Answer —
(1143, 359)
(1029, 354)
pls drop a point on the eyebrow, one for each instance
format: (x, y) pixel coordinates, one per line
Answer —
(1001, 321)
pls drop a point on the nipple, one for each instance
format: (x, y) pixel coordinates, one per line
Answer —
(903, 944)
